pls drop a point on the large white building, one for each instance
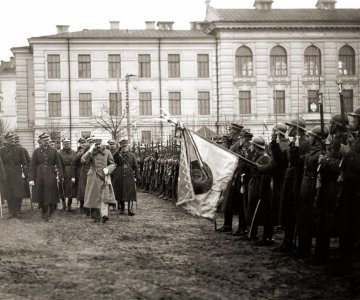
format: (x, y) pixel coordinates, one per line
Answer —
(7, 96)
(238, 65)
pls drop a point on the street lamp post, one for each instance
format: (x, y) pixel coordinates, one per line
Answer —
(127, 79)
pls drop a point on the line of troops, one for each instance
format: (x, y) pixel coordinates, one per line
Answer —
(297, 186)
(97, 175)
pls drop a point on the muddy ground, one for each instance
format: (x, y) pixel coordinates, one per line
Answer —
(160, 253)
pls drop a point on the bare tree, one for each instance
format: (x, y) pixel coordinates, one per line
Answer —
(114, 123)
(53, 128)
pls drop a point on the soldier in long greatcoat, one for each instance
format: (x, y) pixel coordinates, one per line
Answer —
(45, 167)
(67, 156)
(13, 159)
(98, 179)
(124, 181)
(296, 152)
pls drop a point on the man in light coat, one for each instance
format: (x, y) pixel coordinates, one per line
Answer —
(98, 181)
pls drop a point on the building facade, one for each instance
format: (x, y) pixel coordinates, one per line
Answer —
(251, 66)
(7, 96)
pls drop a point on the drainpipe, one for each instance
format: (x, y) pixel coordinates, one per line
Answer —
(160, 81)
(217, 87)
(69, 86)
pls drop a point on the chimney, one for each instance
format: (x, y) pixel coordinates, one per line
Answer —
(263, 4)
(62, 28)
(165, 25)
(150, 25)
(114, 25)
(325, 4)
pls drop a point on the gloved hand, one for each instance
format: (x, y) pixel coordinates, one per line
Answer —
(106, 171)
(31, 183)
(73, 180)
(92, 147)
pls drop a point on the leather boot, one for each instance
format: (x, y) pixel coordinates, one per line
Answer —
(63, 200)
(69, 204)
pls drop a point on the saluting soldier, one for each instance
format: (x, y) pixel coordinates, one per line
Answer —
(13, 159)
(101, 166)
(67, 155)
(45, 167)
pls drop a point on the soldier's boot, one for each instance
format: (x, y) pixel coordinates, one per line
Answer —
(227, 227)
(121, 205)
(81, 210)
(69, 205)
(63, 200)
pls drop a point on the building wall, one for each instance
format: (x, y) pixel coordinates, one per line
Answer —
(8, 100)
(296, 83)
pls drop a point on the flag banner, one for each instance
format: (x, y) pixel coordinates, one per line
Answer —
(205, 172)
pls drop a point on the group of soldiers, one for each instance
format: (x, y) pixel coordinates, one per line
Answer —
(305, 183)
(159, 169)
(97, 175)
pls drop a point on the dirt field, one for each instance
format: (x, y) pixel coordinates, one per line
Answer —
(160, 253)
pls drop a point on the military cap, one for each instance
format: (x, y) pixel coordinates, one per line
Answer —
(65, 141)
(44, 137)
(9, 136)
(97, 141)
(81, 140)
(124, 142)
(89, 139)
(111, 142)
(236, 126)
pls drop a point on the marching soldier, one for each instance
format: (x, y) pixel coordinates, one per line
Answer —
(67, 155)
(296, 152)
(44, 166)
(13, 159)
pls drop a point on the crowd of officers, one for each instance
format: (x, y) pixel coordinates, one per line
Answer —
(52, 176)
(305, 183)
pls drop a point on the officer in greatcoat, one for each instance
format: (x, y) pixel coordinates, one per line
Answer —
(99, 192)
(126, 174)
(45, 173)
(67, 156)
(13, 159)
(114, 148)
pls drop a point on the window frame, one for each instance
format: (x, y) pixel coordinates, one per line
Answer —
(204, 103)
(175, 103)
(244, 102)
(53, 66)
(279, 98)
(145, 104)
(84, 66)
(54, 105)
(312, 61)
(144, 61)
(203, 66)
(173, 65)
(113, 102)
(114, 65)
(346, 59)
(278, 62)
(85, 111)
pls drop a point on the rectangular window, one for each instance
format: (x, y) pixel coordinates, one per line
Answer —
(204, 103)
(203, 65)
(114, 65)
(313, 101)
(244, 102)
(145, 136)
(84, 66)
(245, 65)
(348, 99)
(175, 103)
(115, 108)
(54, 105)
(145, 104)
(53, 61)
(346, 65)
(279, 102)
(144, 65)
(174, 65)
(85, 105)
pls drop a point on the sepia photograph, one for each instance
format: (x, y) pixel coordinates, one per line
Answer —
(194, 149)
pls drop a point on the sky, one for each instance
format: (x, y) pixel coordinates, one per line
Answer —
(22, 19)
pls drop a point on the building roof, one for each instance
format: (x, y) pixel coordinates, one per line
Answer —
(129, 34)
(7, 66)
(287, 15)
